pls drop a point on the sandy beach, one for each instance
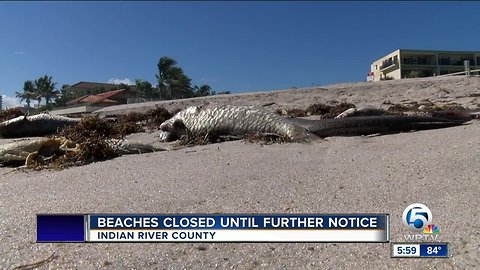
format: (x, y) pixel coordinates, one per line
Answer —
(368, 174)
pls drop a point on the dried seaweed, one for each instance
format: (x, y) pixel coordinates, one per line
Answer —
(10, 114)
(202, 139)
(318, 109)
(266, 138)
(401, 108)
(93, 136)
(296, 113)
(338, 109)
(328, 111)
(138, 122)
(157, 116)
(96, 137)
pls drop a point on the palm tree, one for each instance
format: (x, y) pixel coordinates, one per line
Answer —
(62, 98)
(204, 90)
(28, 93)
(172, 81)
(46, 89)
(179, 84)
(144, 89)
(165, 65)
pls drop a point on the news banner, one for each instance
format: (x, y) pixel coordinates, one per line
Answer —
(212, 228)
(247, 228)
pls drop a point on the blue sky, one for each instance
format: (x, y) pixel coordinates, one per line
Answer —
(232, 46)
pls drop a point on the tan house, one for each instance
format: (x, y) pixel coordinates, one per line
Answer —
(422, 63)
(88, 88)
(90, 103)
(110, 98)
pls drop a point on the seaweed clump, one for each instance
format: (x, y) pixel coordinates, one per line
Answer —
(338, 109)
(296, 112)
(266, 139)
(449, 108)
(400, 108)
(449, 111)
(157, 116)
(129, 123)
(191, 139)
(138, 122)
(327, 111)
(318, 109)
(10, 114)
(94, 137)
(324, 110)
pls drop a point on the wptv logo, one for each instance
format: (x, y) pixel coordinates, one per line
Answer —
(418, 218)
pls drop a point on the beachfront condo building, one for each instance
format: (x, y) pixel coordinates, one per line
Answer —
(402, 64)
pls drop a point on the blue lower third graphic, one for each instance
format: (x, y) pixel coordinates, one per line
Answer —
(60, 228)
(434, 250)
(419, 250)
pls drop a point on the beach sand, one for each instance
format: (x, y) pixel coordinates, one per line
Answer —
(373, 174)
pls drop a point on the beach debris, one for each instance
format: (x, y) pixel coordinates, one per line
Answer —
(137, 122)
(324, 110)
(38, 264)
(328, 111)
(102, 140)
(94, 139)
(74, 141)
(366, 111)
(60, 152)
(33, 153)
(46, 124)
(33, 126)
(90, 140)
(448, 111)
(10, 114)
(266, 138)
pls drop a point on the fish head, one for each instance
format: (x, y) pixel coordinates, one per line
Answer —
(175, 127)
(177, 122)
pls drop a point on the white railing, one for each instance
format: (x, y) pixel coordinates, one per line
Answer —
(466, 72)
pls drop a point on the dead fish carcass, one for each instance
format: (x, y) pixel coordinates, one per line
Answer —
(44, 150)
(34, 126)
(28, 152)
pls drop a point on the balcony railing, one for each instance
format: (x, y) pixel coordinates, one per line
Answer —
(388, 63)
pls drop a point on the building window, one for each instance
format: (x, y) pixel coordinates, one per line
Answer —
(444, 61)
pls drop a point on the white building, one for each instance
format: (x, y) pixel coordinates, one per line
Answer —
(421, 63)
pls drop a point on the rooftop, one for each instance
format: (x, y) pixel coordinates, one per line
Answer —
(103, 97)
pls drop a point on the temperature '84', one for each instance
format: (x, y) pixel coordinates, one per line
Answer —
(433, 250)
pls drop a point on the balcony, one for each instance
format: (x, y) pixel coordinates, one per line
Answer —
(389, 64)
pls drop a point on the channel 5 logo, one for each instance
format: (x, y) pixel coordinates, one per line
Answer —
(417, 217)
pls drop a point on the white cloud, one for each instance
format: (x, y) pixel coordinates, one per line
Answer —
(126, 81)
(209, 80)
(11, 102)
(19, 52)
